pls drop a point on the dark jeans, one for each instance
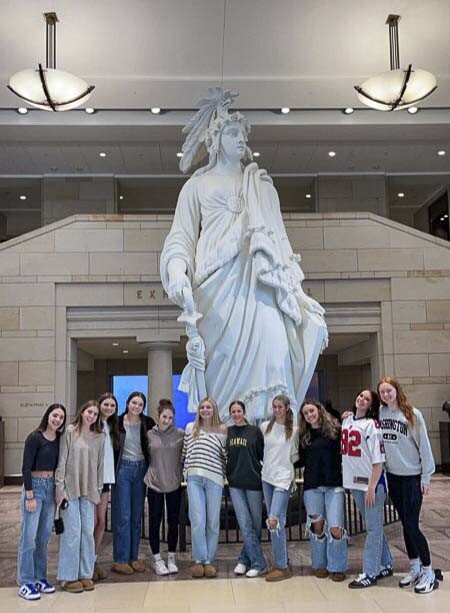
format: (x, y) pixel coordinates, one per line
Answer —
(406, 494)
(156, 506)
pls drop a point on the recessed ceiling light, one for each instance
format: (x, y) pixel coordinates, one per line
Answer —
(125, 351)
(89, 110)
(179, 154)
(22, 110)
(307, 195)
(115, 344)
(441, 152)
(446, 216)
(332, 154)
(285, 110)
(256, 154)
(102, 154)
(401, 195)
(155, 110)
(22, 197)
(120, 197)
(413, 110)
(349, 110)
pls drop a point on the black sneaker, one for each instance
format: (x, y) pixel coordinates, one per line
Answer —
(362, 582)
(386, 571)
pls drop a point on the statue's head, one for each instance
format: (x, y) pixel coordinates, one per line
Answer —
(208, 129)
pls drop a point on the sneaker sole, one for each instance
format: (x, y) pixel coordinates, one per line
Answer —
(426, 591)
(30, 598)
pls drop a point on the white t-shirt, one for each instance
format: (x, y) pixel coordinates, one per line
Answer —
(279, 455)
(108, 466)
(362, 447)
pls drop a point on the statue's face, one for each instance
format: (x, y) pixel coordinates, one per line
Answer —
(233, 141)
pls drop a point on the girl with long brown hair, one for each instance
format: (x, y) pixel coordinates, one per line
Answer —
(280, 452)
(323, 494)
(409, 466)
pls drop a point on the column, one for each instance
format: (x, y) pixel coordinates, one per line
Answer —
(159, 373)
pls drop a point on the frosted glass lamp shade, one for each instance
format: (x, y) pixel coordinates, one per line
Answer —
(397, 89)
(50, 89)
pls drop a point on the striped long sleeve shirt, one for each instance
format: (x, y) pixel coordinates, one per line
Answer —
(205, 456)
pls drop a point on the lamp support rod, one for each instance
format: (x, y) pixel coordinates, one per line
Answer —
(392, 22)
(51, 20)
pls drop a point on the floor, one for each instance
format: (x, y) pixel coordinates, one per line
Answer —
(228, 594)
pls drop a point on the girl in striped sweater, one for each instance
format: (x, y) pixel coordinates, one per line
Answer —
(204, 465)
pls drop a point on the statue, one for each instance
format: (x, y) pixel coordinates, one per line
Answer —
(227, 261)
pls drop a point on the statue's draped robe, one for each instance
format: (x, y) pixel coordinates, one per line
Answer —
(262, 334)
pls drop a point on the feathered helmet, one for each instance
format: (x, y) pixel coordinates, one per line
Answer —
(204, 129)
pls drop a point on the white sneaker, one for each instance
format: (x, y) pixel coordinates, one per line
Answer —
(427, 582)
(160, 567)
(254, 572)
(240, 569)
(171, 566)
(410, 580)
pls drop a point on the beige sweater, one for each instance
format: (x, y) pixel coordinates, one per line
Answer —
(80, 465)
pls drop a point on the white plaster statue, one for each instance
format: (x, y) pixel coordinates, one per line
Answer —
(256, 333)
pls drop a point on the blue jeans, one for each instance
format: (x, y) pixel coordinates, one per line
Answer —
(277, 500)
(248, 508)
(76, 544)
(205, 497)
(328, 505)
(128, 495)
(36, 532)
(376, 548)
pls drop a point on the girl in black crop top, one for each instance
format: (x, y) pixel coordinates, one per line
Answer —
(40, 458)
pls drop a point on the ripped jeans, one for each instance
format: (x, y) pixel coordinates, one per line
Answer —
(326, 550)
(277, 499)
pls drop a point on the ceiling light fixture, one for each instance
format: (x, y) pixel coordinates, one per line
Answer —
(89, 110)
(125, 351)
(413, 110)
(401, 195)
(397, 89)
(102, 154)
(256, 154)
(348, 111)
(120, 197)
(441, 152)
(307, 195)
(155, 110)
(285, 110)
(47, 88)
(179, 154)
(22, 197)
(332, 154)
(22, 110)
(115, 344)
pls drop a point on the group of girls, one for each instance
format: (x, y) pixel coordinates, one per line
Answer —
(72, 470)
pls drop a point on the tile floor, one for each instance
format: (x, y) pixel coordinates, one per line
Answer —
(303, 593)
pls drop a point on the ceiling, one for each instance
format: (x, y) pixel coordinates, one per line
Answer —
(305, 54)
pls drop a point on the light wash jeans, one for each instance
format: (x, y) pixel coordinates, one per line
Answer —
(277, 500)
(76, 543)
(328, 503)
(376, 549)
(128, 496)
(205, 497)
(248, 509)
(36, 532)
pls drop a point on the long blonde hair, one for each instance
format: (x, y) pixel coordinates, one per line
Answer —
(289, 420)
(329, 427)
(215, 422)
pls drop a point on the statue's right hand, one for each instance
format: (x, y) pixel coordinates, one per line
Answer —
(177, 283)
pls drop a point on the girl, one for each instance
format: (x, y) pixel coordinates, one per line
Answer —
(108, 414)
(128, 495)
(280, 451)
(409, 465)
(163, 478)
(40, 458)
(79, 480)
(245, 451)
(362, 465)
(323, 494)
(204, 464)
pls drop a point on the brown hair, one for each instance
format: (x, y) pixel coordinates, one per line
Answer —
(329, 427)
(403, 403)
(374, 409)
(289, 420)
(96, 426)
(216, 421)
(164, 404)
(113, 420)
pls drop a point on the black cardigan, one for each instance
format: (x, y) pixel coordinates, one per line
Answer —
(147, 424)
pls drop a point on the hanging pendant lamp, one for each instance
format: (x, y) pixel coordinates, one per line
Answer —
(48, 88)
(397, 89)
